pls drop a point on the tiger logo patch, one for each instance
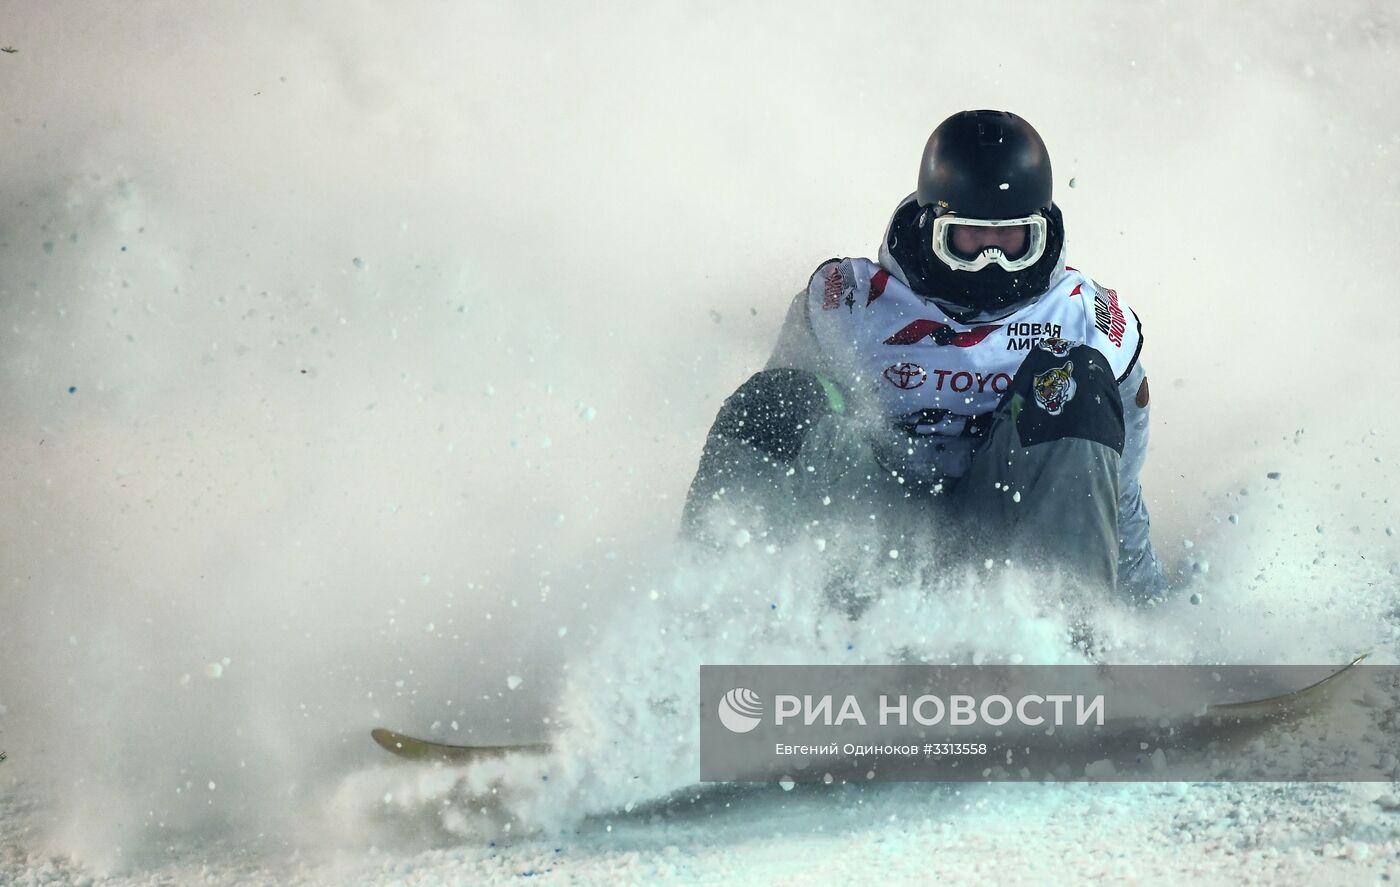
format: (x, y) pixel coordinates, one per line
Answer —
(1056, 346)
(1054, 388)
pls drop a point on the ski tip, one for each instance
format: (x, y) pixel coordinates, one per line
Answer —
(387, 739)
(414, 749)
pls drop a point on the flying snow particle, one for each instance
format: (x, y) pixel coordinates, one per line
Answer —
(1195, 597)
(894, 554)
(514, 681)
(821, 544)
(1016, 496)
(787, 782)
(214, 670)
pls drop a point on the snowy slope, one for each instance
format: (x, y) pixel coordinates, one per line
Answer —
(1156, 834)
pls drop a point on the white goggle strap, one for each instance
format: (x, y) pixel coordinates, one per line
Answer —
(942, 230)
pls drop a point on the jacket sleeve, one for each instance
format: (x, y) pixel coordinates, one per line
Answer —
(1139, 574)
(798, 347)
(797, 344)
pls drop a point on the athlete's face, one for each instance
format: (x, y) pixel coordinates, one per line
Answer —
(969, 240)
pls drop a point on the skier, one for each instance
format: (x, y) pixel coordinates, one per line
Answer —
(969, 373)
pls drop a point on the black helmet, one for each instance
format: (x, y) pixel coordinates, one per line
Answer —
(985, 172)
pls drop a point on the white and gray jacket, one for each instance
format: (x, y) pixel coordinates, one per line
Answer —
(860, 325)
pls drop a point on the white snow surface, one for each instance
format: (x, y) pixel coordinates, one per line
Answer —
(354, 363)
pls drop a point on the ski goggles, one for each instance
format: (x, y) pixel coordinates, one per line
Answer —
(1014, 244)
